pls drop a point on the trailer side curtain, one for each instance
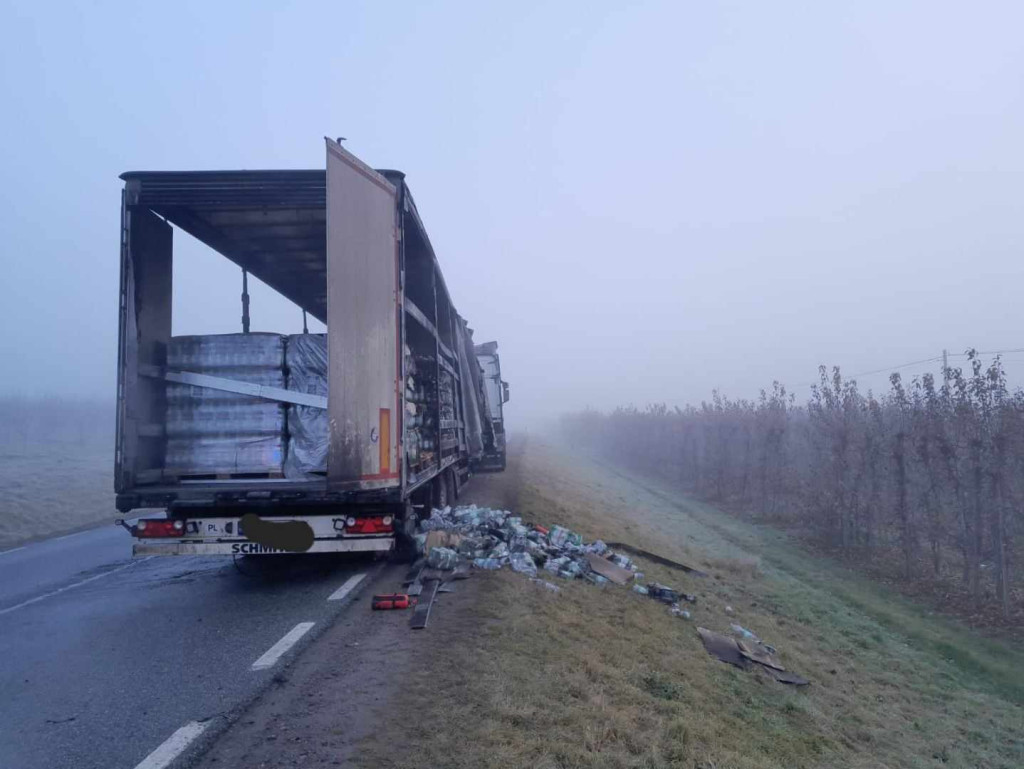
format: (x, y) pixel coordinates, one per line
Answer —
(470, 383)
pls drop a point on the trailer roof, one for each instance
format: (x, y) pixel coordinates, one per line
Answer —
(271, 223)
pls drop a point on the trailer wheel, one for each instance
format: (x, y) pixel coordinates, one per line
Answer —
(441, 491)
(453, 484)
(405, 545)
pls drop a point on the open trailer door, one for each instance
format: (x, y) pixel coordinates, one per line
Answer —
(364, 342)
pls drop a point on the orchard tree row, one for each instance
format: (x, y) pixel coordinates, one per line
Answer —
(931, 473)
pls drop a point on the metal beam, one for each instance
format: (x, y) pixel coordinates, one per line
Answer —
(449, 368)
(234, 386)
(419, 316)
(277, 275)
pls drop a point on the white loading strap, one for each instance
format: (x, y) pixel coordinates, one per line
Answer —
(235, 386)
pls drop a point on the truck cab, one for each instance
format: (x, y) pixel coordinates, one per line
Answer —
(496, 396)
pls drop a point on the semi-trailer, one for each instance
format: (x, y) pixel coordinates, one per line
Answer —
(353, 433)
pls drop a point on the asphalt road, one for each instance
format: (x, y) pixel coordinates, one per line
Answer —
(104, 659)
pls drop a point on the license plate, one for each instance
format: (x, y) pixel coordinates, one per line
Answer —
(215, 528)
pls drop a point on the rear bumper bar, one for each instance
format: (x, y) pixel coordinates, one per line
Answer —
(245, 547)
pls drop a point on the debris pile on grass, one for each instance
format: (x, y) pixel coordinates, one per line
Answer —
(491, 539)
(494, 539)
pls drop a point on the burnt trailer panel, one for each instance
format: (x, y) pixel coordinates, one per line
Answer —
(347, 245)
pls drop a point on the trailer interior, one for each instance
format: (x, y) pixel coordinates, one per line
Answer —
(273, 226)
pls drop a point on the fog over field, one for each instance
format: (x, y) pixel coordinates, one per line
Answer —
(56, 466)
(641, 204)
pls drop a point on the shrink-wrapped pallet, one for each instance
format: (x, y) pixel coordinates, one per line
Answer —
(217, 432)
(306, 361)
(227, 351)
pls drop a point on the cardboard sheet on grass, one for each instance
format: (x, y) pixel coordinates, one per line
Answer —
(441, 539)
(742, 653)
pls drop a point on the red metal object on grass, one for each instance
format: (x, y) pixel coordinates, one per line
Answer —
(392, 601)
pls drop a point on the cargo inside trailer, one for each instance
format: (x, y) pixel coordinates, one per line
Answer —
(439, 412)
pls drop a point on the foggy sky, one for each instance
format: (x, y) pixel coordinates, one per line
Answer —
(639, 204)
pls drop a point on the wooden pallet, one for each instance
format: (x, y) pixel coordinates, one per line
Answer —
(177, 477)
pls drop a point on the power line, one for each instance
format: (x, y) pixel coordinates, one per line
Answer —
(984, 352)
(886, 370)
(896, 368)
(936, 359)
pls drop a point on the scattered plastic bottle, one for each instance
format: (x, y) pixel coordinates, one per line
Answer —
(547, 585)
(560, 536)
(522, 562)
(621, 561)
(500, 550)
(743, 632)
(443, 558)
(663, 593)
(490, 564)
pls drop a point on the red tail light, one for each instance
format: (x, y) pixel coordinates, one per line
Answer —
(158, 528)
(382, 525)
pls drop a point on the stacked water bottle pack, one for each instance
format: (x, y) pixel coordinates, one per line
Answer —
(420, 418)
(211, 431)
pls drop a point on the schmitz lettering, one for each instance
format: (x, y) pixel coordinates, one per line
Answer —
(252, 548)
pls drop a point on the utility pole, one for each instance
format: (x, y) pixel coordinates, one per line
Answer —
(945, 367)
(245, 301)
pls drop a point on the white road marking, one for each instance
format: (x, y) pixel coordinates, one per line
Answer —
(274, 652)
(173, 746)
(68, 536)
(12, 550)
(347, 588)
(59, 590)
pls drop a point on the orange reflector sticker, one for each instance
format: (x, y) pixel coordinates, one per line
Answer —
(384, 441)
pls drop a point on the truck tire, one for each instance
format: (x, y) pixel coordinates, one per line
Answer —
(441, 491)
(405, 545)
(453, 484)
